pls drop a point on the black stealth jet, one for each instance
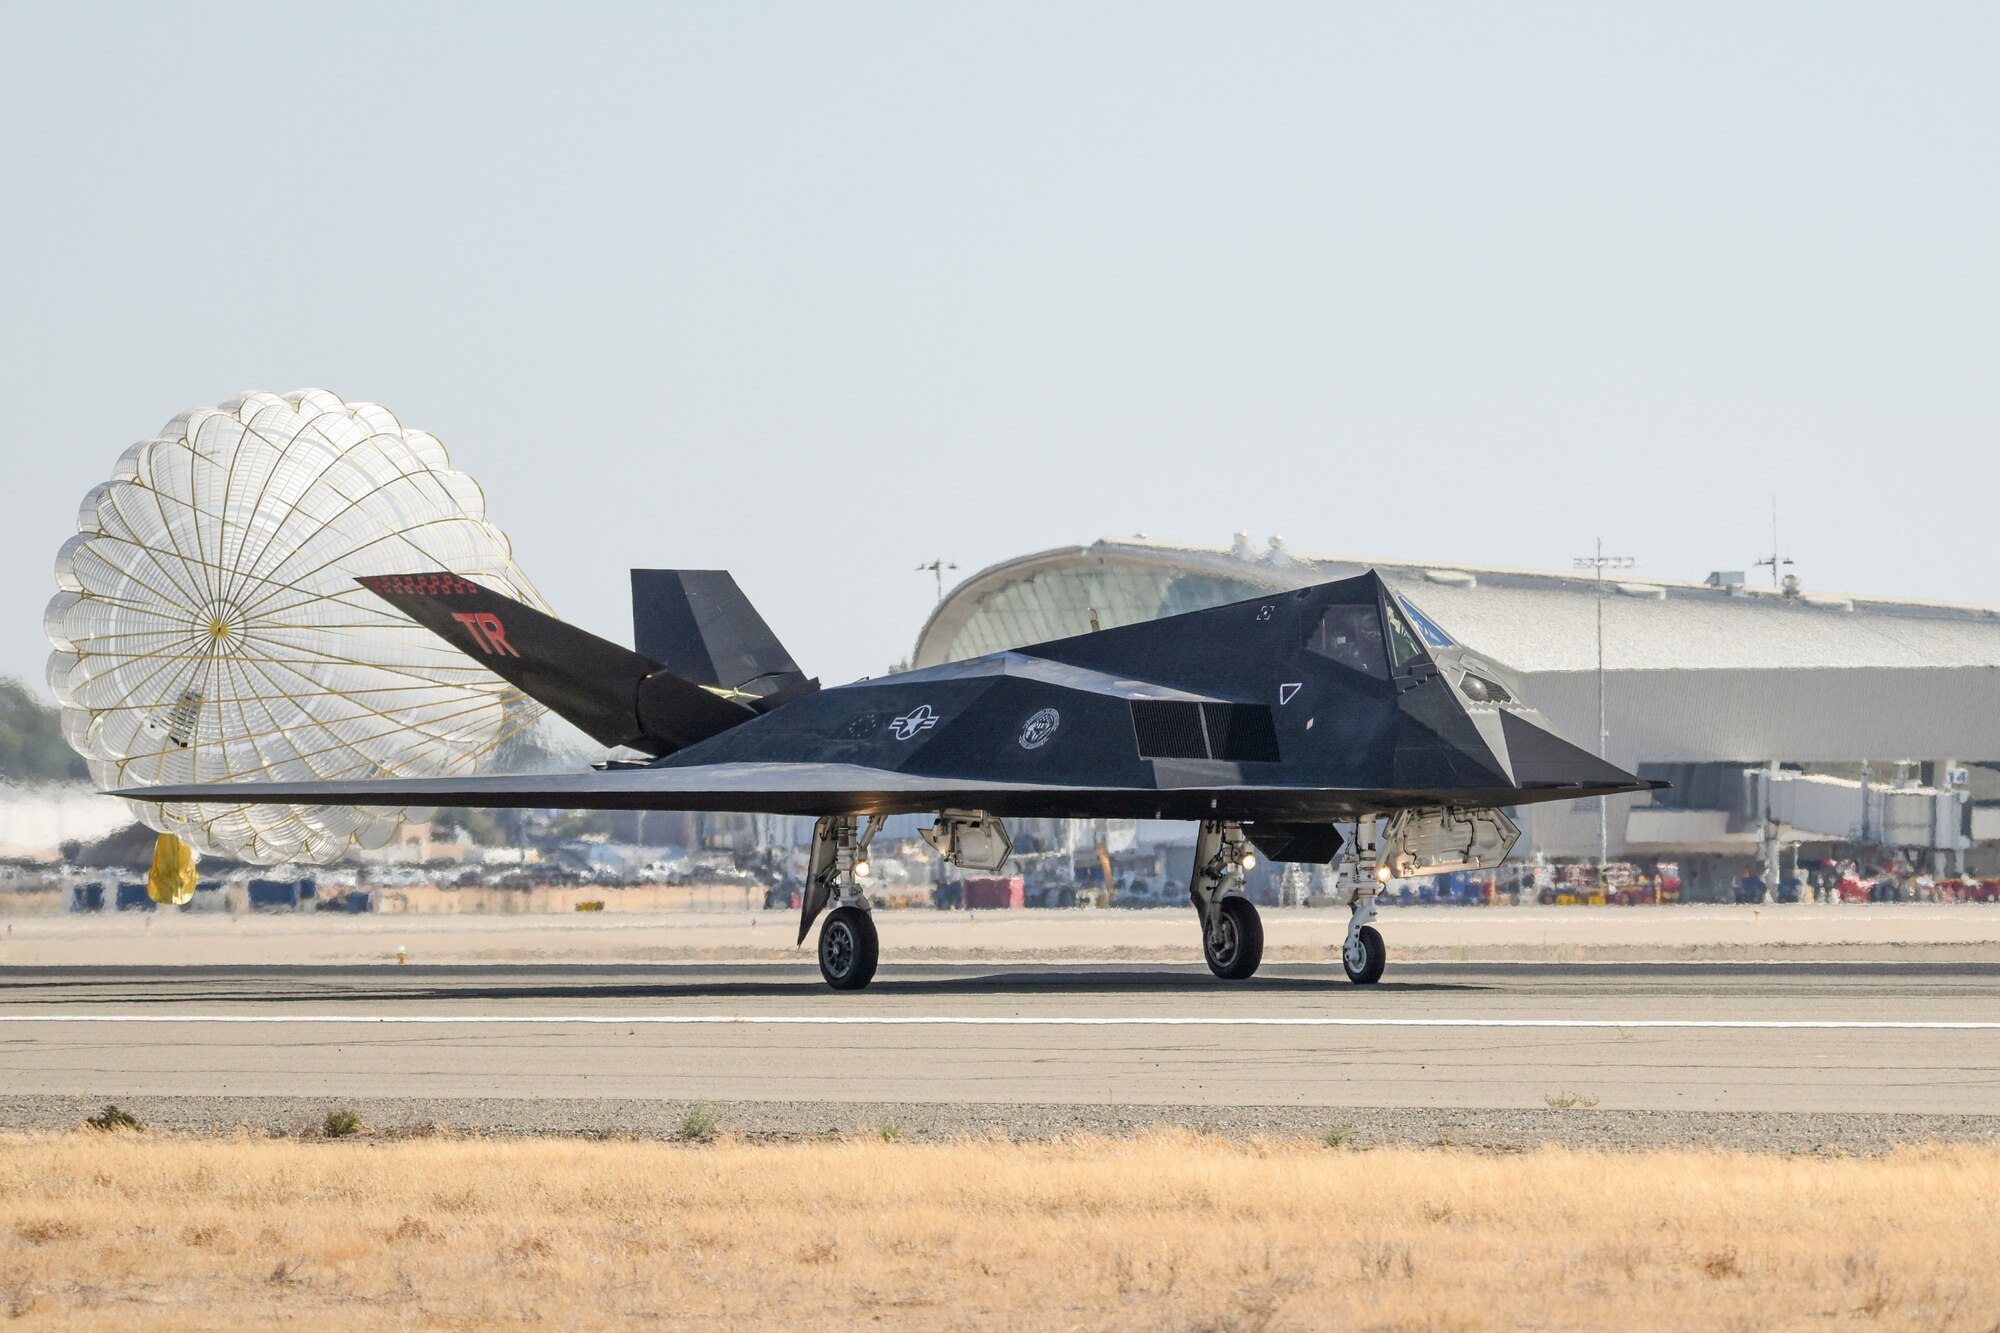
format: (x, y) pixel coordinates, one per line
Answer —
(1274, 723)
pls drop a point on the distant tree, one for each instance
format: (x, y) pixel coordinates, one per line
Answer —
(32, 748)
(580, 824)
(547, 745)
(488, 828)
(130, 848)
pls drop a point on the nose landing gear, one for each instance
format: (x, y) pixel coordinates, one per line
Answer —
(1364, 954)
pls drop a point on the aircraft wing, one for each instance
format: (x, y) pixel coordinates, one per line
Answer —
(848, 789)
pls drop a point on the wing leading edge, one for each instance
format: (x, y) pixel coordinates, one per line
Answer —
(850, 789)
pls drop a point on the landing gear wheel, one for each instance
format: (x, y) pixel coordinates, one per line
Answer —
(1235, 944)
(1365, 957)
(847, 948)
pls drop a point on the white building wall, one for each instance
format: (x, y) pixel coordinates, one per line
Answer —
(36, 821)
(1693, 674)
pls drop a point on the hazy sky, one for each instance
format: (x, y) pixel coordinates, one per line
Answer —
(817, 293)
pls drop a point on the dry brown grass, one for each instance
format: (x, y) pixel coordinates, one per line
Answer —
(1167, 1231)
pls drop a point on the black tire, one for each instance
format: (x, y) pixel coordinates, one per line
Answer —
(848, 948)
(1374, 956)
(1236, 945)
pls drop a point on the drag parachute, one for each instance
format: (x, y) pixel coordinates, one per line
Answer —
(208, 626)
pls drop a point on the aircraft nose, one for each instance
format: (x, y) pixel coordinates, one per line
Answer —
(1540, 757)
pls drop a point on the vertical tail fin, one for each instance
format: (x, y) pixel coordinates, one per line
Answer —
(698, 624)
(612, 694)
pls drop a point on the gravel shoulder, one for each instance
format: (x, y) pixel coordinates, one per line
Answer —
(1814, 1133)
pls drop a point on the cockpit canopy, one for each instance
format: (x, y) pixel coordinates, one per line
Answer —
(1387, 638)
(1373, 638)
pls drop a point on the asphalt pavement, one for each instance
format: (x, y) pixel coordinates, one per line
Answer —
(1907, 1040)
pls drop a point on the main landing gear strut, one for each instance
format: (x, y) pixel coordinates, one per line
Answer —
(970, 839)
(848, 946)
(1232, 934)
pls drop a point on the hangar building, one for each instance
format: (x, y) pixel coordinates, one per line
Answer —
(1784, 717)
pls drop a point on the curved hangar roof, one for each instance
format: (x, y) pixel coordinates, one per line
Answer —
(1697, 672)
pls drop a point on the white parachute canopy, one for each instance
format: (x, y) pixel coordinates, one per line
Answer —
(209, 628)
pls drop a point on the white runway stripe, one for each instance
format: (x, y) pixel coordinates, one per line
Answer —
(1006, 1020)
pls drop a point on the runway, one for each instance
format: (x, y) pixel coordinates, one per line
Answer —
(1904, 1038)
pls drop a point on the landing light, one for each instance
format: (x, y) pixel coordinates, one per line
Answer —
(862, 869)
(1382, 873)
(1249, 861)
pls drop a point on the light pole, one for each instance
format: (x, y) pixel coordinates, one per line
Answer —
(937, 567)
(1601, 562)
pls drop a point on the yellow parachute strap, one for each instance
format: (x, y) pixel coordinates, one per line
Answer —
(171, 882)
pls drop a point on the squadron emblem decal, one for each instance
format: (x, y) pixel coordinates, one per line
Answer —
(1040, 728)
(919, 719)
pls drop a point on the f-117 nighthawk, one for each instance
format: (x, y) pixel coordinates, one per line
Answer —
(1274, 723)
